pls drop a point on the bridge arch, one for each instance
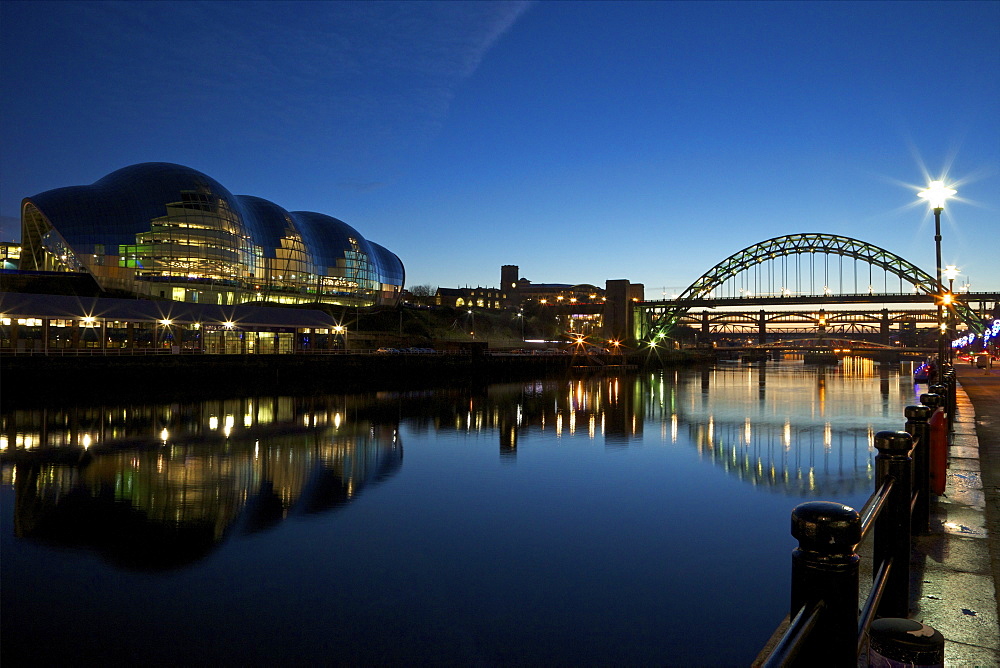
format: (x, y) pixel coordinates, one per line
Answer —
(797, 244)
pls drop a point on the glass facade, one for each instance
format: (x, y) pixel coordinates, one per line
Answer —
(166, 230)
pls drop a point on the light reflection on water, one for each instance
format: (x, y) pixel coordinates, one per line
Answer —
(593, 520)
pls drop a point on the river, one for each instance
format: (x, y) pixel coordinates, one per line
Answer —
(636, 519)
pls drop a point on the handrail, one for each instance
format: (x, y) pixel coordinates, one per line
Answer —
(791, 642)
(871, 603)
(873, 507)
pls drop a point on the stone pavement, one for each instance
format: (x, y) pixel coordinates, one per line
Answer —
(957, 563)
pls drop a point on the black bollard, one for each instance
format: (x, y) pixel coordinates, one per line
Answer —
(941, 390)
(917, 427)
(892, 528)
(895, 642)
(825, 572)
(951, 383)
(933, 400)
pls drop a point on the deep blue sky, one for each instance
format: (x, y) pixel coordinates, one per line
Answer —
(581, 141)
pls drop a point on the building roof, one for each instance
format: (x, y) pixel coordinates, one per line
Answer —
(110, 214)
(527, 285)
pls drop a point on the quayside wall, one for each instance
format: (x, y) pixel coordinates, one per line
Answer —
(34, 380)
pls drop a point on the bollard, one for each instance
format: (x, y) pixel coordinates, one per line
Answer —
(892, 527)
(951, 383)
(901, 643)
(917, 427)
(825, 571)
(937, 450)
(941, 390)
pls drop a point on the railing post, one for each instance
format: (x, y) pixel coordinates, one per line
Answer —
(892, 528)
(950, 382)
(939, 388)
(825, 572)
(917, 427)
(934, 401)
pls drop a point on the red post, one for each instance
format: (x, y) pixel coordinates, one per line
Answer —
(938, 456)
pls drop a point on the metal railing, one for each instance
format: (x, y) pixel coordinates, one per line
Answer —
(826, 627)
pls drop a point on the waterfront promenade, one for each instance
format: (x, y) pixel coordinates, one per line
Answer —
(959, 562)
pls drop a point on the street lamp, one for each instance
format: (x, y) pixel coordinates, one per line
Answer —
(951, 272)
(935, 194)
(342, 332)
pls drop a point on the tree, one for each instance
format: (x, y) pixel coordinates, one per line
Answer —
(425, 290)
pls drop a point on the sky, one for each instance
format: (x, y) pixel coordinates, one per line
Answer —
(582, 141)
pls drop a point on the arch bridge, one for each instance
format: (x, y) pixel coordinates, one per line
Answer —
(789, 273)
(813, 342)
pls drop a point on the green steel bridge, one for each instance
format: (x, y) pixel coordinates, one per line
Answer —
(810, 282)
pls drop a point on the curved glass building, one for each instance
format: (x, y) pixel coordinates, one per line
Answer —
(167, 230)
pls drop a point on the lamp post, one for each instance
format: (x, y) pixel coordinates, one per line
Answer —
(935, 194)
(342, 332)
(951, 272)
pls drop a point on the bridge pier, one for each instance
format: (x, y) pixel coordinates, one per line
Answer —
(883, 327)
(762, 327)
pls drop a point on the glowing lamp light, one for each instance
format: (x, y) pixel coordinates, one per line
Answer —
(90, 320)
(936, 193)
(951, 272)
(229, 324)
(166, 321)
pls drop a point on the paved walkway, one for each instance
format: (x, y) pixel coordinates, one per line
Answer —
(960, 560)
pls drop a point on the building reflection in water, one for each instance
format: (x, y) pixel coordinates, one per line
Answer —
(156, 486)
(159, 486)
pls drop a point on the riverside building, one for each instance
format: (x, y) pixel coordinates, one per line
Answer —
(160, 230)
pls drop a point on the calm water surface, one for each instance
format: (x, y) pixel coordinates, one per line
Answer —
(638, 519)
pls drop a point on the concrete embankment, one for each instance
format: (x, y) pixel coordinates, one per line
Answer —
(35, 379)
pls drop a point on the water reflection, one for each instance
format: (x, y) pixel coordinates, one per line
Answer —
(154, 487)
(157, 486)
